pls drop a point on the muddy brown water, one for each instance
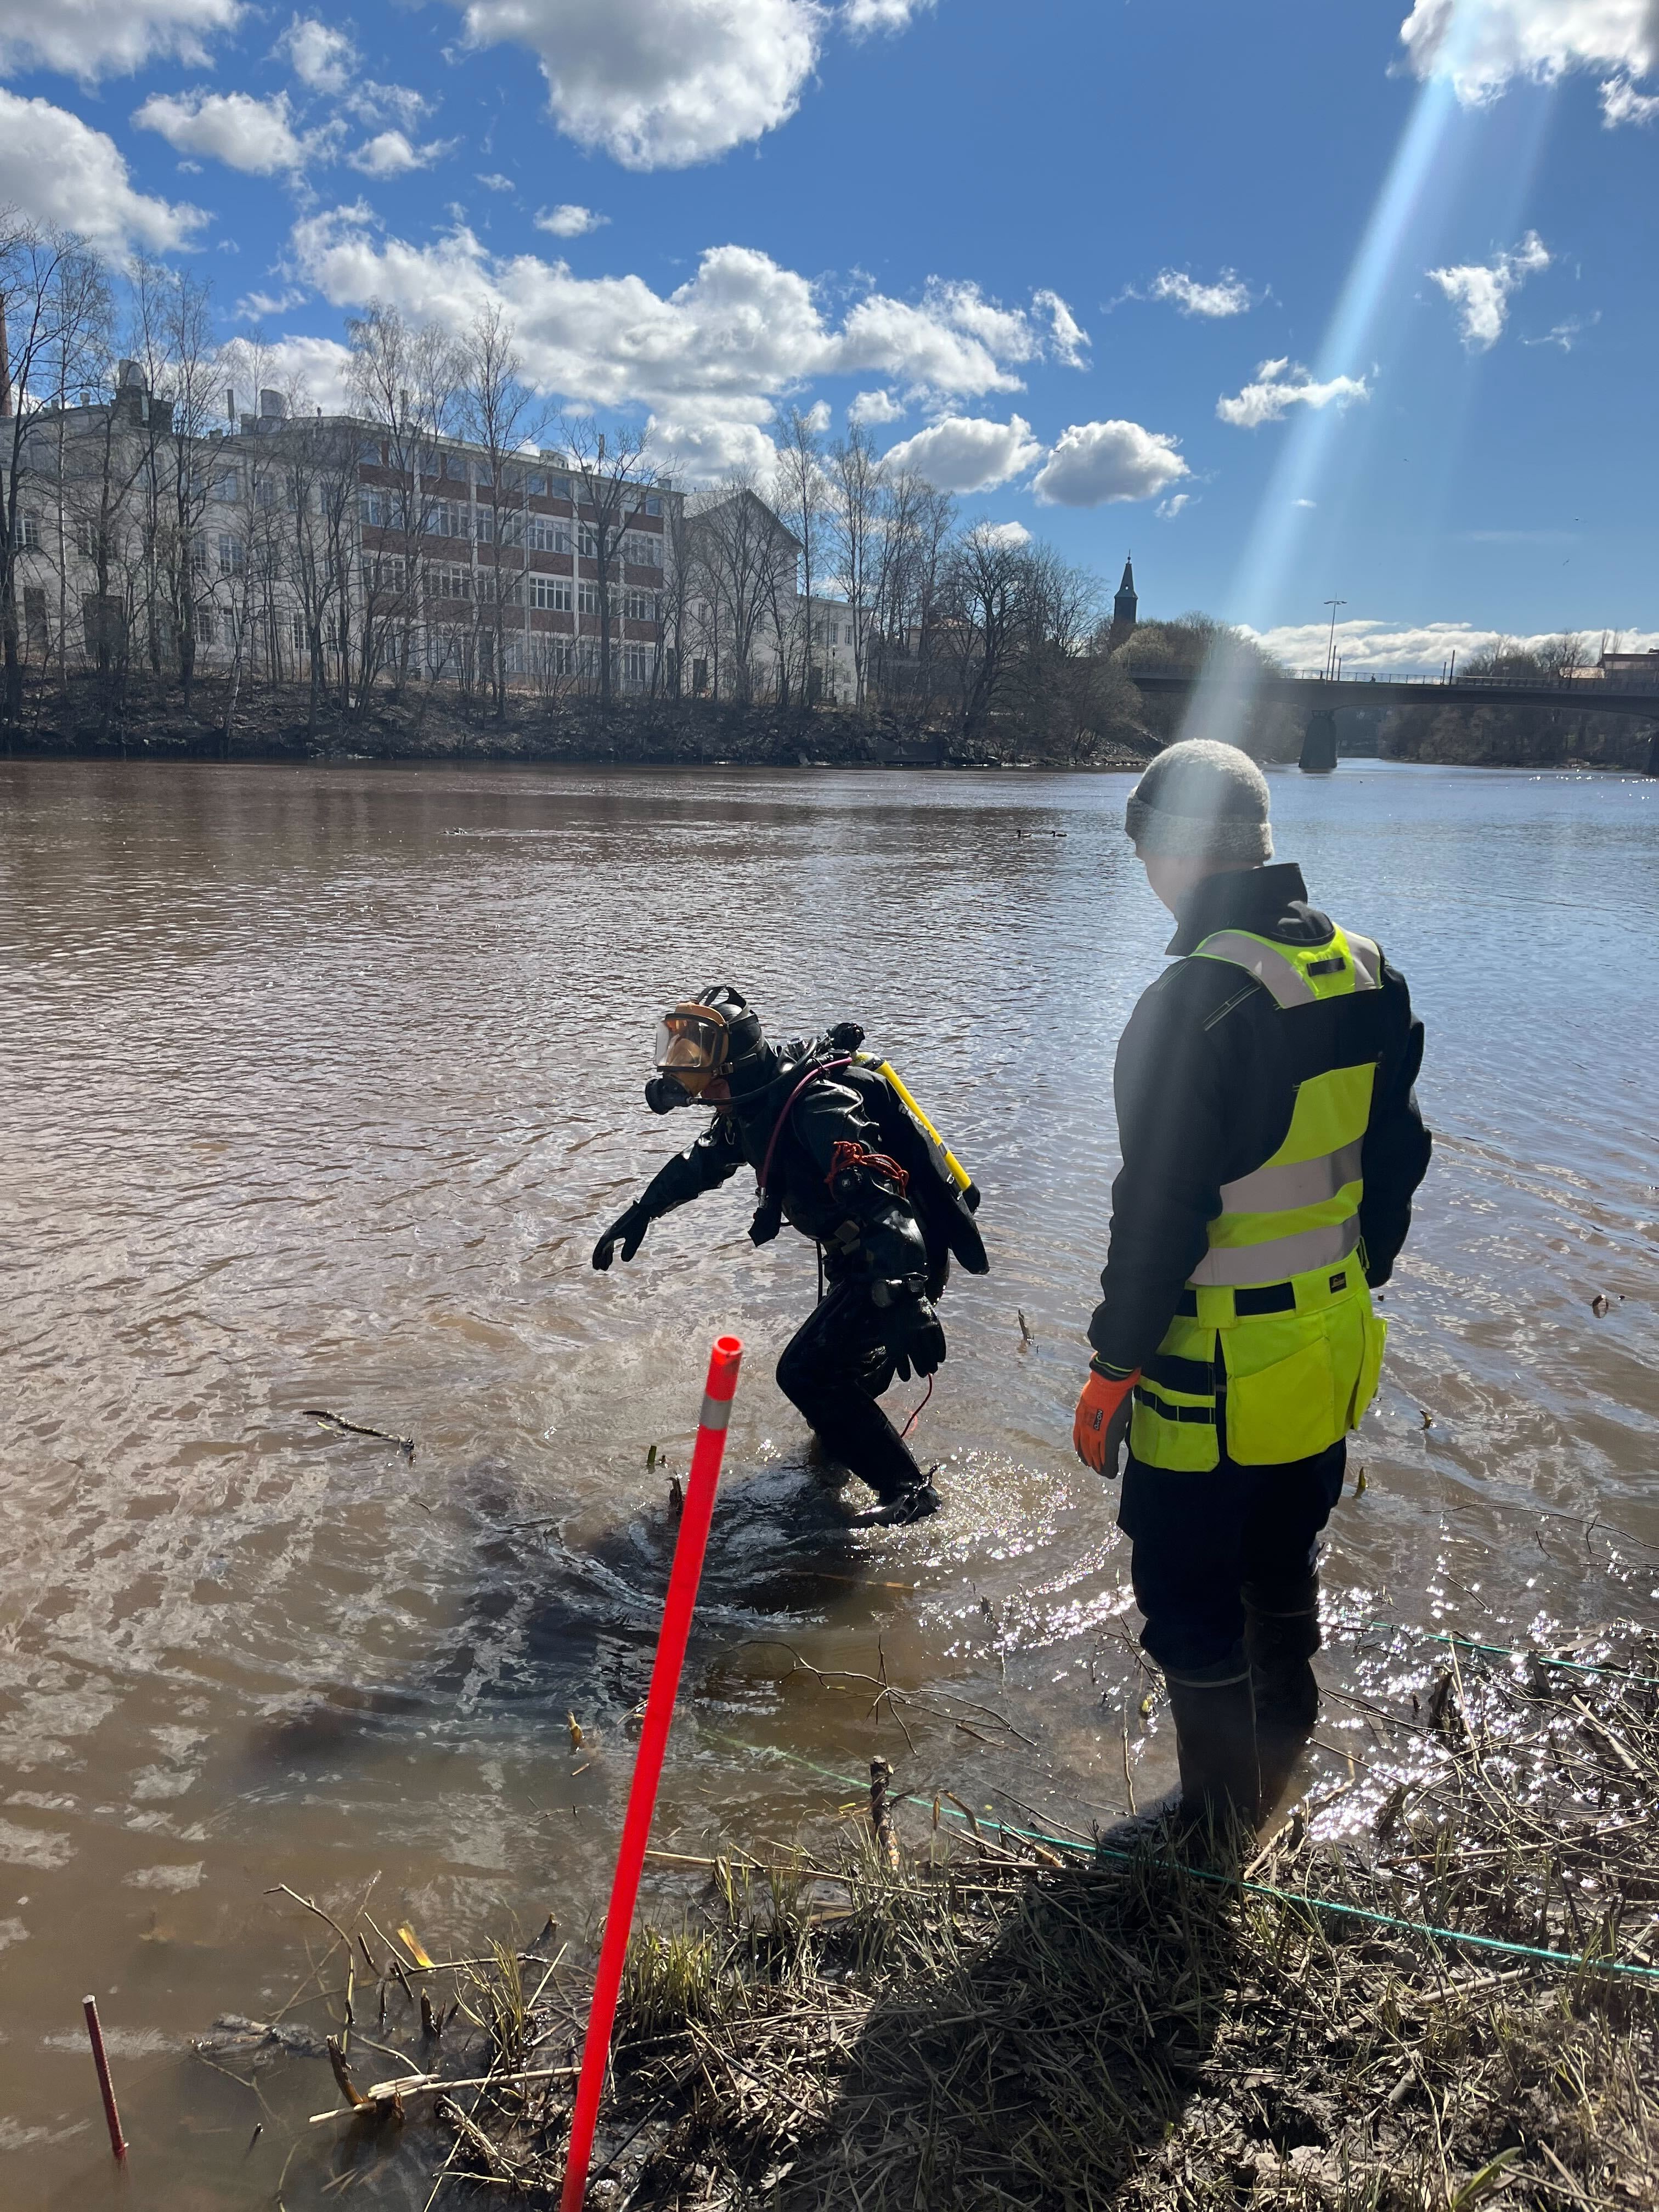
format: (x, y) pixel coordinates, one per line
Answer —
(318, 1085)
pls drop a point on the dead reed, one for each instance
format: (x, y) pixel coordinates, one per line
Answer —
(982, 2019)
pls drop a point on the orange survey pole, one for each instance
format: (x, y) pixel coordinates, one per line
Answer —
(684, 1576)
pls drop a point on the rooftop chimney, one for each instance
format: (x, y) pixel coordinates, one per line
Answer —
(230, 404)
(273, 406)
(130, 376)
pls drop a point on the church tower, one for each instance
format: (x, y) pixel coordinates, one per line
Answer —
(1124, 607)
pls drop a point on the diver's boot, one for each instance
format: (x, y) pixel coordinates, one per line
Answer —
(1214, 1712)
(1281, 1634)
(902, 1507)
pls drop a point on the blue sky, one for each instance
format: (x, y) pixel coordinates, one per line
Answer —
(1295, 303)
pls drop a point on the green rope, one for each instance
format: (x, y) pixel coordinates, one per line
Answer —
(1505, 1651)
(1580, 1960)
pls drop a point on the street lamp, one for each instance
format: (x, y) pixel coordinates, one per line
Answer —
(1330, 649)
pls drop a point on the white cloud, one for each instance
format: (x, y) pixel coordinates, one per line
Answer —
(655, 83)
(1483, 46)
(1622, 103)
(316, 366)
(1227, 295)
(390, 154)
(724, 347)
(1566, 334)
(571, 220)
(1169, 508)
(864, 15)
(97, 38)
(818, 417)
(965, 453)
(494, 181)
(875, 407)
(1304, 502)
(1379, 648)
(254, 306)
(57, 171)
(1283, 384)
(319, 55)
(1480, 291)
(1098, 464)
(254, 136)
(1068, 335)
(1004, 533)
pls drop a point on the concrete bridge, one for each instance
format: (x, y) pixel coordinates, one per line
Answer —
(1321, 695)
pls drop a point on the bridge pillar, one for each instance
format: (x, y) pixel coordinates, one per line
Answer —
(1653, 754)
(1319, 743)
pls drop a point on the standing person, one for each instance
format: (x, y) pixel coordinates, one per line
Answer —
(1270, 1145)
(842, 1153)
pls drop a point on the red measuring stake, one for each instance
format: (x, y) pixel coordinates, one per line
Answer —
(107, 2088)
(683, 1577)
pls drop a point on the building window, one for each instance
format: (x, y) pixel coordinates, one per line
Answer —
(550, 591)
(507, 586)
(382, 574)
(448, 580)
(536, 485)
(297, 631)
(640, 606)
(482, 473)
(642, 549)
(636, 665)
(375, 510)
(560, 487)
(653, 503)
(590, 599)
(25, 531)
(205, 632)
(484, 525)
(370, 451)
(543, 536)
(232, 556)
(446, 518)
(587, 542)
(228, 483)
(86, 540)
(265, 495)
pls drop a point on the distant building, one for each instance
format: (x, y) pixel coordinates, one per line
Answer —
(1124, 609)
(1629, 664)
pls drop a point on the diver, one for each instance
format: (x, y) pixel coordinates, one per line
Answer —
(840, 1150)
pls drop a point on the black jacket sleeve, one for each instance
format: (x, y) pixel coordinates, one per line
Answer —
(1397, 1146)
(712, 1159)
(1171, 1120)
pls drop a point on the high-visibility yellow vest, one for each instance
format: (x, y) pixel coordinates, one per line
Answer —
(1276, 1346)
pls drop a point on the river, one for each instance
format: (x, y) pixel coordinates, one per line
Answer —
(317, 1084)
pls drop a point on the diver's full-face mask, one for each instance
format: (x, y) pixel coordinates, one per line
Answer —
(694, 1047)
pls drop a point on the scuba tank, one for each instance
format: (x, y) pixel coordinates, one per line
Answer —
(942, 1194)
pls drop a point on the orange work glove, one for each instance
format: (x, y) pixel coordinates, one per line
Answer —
(1101, 1423)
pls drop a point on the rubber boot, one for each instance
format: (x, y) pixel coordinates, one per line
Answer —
(1214, 1712)
(1281, 1634)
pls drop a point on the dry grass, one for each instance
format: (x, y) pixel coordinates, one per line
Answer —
(971, 2028)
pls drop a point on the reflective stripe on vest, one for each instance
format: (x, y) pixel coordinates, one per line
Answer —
(1300, 1209)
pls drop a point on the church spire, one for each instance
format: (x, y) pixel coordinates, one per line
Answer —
(1125, 607)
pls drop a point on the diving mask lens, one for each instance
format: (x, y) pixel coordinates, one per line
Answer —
(691, 1046)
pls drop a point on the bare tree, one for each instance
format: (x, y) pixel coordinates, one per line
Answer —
(500, 414)
(985, 586)
(855, 488)
(612, 477)
(742, 555)
(52, 303)
(403, 381)
(802, 502)
(916, 525)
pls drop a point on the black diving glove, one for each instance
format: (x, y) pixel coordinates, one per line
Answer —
(628, 1230)
(911, 1331)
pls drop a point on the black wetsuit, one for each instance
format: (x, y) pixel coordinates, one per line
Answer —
(828, 1180)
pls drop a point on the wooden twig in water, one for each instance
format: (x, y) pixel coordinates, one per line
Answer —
(341, 1427)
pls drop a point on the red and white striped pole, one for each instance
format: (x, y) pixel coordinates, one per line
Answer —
(683, 1577)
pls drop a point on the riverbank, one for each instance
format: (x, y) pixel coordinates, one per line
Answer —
(438, 723)
(1434, 1986)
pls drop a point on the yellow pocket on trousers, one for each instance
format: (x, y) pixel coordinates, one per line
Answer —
(1286, 1410)
(1370, 1368)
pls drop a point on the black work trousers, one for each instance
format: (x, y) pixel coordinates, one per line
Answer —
(1200, 1539)
(833, 1369)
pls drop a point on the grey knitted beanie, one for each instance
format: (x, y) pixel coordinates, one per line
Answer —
(1201, 801)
